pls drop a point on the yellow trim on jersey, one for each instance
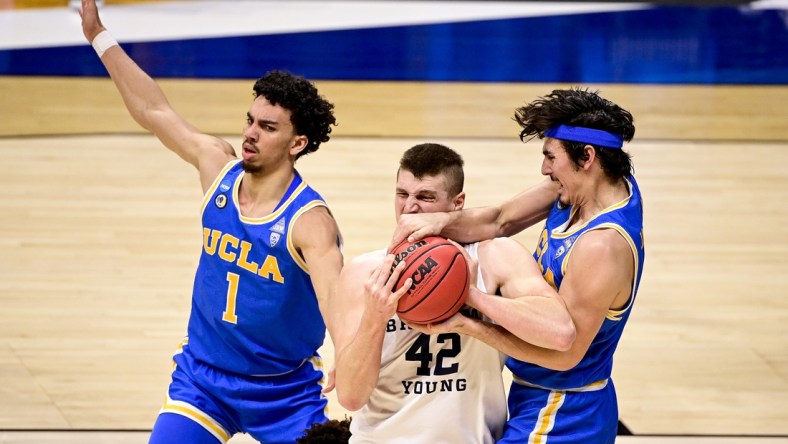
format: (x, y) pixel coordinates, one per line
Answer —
(290, 246)
(236, 188)
(184, 342)
(317, 364)
(272, 216)
(562, 234)
(613, 315)
(198, 416)
(546, 420)
(592, 387)
(209, 192)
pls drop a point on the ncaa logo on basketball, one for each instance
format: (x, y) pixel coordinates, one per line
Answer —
(423, 272)
(220, 201)
(439, 279)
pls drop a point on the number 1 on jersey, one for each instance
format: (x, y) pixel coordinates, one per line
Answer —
(232, 291)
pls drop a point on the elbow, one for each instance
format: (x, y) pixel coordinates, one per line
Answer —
(350, 401)
(565, 337)
(352, 396)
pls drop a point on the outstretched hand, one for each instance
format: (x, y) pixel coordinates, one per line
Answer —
(417, 226)
(91, 23)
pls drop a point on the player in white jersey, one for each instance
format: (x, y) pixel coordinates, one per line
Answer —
(453, 374)
(406, 385)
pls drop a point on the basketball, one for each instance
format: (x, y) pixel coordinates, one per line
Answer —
(440, 279)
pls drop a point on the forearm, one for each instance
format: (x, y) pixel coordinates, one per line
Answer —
(506, 342)
(140, 93)
(511, 217)
(473, 224)
(538, 320)
(358, 365)
(526, 208)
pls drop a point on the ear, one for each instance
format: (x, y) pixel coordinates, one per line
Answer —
(299, 143)
(590, 152)
(459, 201)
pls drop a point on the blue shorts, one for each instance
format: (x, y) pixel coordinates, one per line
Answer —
(539, 416)
(276, 409)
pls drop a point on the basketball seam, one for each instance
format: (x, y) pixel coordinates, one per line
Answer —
(425, 296)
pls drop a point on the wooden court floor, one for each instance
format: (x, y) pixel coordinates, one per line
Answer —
(99, 237)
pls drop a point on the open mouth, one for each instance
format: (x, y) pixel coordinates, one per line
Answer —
(248, 151)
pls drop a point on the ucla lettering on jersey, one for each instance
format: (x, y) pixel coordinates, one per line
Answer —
(251, 282)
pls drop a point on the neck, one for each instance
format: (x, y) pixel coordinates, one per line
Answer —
(259, 192)
(601, 195)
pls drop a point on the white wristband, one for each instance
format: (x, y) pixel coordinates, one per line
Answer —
(103, 42)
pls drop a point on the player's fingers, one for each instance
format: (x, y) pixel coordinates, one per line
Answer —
(331, 382)
(396, 270)
(419, 234)
(400, 234)
(385, 270)
(372, 280)
(396, 295)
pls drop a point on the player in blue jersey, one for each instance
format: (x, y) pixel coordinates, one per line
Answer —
(270, 256)
(591, 249)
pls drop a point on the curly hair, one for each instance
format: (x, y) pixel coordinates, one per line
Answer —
(332, 431)
(311, 114)
(580, 107)
(431, 159)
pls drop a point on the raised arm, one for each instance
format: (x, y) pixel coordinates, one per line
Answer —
(477, 224)
(149, 107)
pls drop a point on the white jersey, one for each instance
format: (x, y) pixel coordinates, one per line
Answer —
(432, 389)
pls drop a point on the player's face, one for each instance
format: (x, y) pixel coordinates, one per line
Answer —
(423, 195)
(561, 169)
(269, 137)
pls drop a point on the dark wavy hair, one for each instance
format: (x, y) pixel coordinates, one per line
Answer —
(580, 107)
(431, 159)
(311, 114)
(332, 431)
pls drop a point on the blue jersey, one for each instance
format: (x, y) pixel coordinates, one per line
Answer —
(254, 309)
(555, 246)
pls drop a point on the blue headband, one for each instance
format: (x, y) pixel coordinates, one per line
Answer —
(585, 135)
